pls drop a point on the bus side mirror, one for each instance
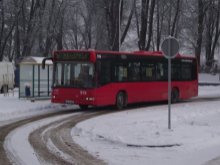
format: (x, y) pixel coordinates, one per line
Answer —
(44, 61)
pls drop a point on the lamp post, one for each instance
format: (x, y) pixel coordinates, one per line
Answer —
(119, 25)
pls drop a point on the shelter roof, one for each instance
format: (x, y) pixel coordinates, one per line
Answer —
(34, 60)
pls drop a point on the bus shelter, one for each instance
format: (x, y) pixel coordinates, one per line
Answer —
(35, 82)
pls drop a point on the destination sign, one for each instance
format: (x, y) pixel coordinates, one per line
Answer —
(82, 56)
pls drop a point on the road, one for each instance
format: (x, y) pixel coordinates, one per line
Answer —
(57, 132)
(52, 141)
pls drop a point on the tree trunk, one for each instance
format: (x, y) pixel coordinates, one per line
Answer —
(128, 22)
(175, 18)
(144, 17)
(150, 29)
(201, 14)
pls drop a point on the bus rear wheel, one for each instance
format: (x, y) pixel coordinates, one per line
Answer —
(121, 100)
(174, 95)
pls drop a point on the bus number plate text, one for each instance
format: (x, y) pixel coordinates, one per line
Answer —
(69, 101)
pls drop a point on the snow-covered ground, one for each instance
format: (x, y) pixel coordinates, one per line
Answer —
(138, 136)
(11, 107)
(207, 78)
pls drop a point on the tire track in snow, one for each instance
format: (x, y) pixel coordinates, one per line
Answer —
(6, 129)
(17, 145)
(21, 142)
(58, 144)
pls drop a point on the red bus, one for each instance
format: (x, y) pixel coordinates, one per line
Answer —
(102, 78)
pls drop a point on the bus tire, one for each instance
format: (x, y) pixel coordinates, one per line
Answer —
(121, 100)
(83, 107)
(175, 95)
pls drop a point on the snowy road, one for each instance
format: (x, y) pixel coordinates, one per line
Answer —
(39, 136)
(45, 139)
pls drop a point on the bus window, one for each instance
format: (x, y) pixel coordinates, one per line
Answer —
(134, 71)
(104, 72)
(160, 69)
(187, 71)
(86, 75)
(74, 74)
(120, 73)
(58, 74)
(67, 74)
(148, 72)
(176, 71)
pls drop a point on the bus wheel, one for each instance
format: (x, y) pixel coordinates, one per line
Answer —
(83, 107)
(174, 95)
(121, 100)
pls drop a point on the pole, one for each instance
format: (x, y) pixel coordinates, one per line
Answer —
(170, 48)
(169, 85)
(119, 25)
(169, 76)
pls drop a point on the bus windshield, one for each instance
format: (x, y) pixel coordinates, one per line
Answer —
(74, 74)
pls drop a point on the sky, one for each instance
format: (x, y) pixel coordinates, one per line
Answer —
(136, 136)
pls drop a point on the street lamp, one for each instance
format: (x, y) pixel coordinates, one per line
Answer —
(119, 27)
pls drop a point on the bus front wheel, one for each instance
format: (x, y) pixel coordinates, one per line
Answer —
(121, 100)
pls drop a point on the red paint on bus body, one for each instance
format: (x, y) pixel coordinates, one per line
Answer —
(135, 91)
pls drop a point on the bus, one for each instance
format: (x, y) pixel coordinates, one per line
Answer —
(103, 78)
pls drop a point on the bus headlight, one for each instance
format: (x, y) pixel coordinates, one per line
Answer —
(82, 92)
(90, 99)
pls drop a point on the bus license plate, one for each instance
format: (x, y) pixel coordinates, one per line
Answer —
(69, 101)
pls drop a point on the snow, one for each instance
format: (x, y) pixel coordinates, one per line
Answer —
(136, 136)
(140, 136)
(17, 139)
(207, 78)
(11, 107)
(35, 60)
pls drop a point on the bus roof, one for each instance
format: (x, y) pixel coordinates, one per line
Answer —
(141, 53)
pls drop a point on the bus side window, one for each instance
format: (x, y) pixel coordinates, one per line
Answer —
(122, 76)
(159, 71)
(176, 71)
(187, 71)
(104, 72)
(120, 73)
(134, 71)
(148, 72)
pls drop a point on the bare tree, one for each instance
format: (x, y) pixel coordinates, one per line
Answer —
(143, 28)
(160, 14)
(212, 30)
(165, 18)
(112, 22)
(202, 7)
(150, 28)
(128, 23)
(7, 24)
